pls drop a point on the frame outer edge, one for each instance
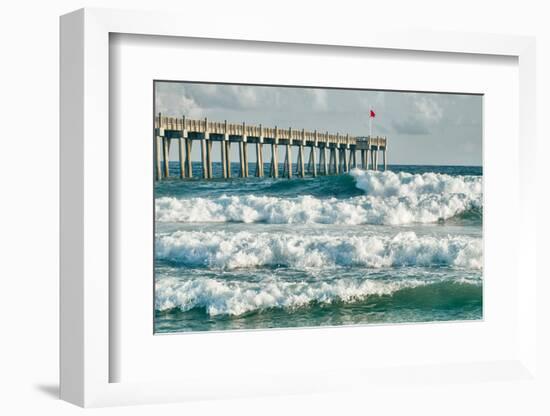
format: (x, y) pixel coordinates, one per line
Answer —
(527, 294)
(71, 217)
(84, 156)
(95, 194)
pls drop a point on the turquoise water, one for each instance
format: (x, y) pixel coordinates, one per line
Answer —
(365, 247)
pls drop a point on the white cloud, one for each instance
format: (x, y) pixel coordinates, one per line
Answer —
(175, 101)
(428, 108)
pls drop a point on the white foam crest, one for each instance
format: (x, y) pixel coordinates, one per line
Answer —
(402, 184)
(389, 198)
(234, 250)
(236, 298)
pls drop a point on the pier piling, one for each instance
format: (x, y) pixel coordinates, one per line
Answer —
(181, 148)
(181, 152)
(158, 163)
(165, 156)
(275, 155)
(228, 157)
(288, 157)
(188, 161)
(337, 156)
(223, 159)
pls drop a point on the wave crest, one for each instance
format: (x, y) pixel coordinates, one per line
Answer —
(402, 184)
(243, 249)
(389, 198)
(233, 298)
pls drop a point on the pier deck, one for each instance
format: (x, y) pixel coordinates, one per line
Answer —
(329, 153)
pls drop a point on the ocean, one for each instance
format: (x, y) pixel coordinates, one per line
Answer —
(365, 247)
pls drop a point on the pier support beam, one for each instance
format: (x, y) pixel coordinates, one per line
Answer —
(223, 159)
(302, 161)
(181, 153)
(203, 159)
(188, 160)
(346, 161)
(158, 161)
(259, 161)
(337, 158)
(159, 143)
(182, 148)
(241, 158)
(275, 155)
(261, 152)
(298, 161)
(245, 159)
(245, 151)
(313, 153)
(228, 157)
(347, 155)
(385, 160)
(288, 161)
(314, 162)
(301, 165)
(209, 158)
(165, 156)
(227, 150)
(204, 150)
(285, 164)
(325, 161)
(274, 161)
(223, 150)
(288, 157)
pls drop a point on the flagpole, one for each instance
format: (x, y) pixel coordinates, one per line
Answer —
(370, 123)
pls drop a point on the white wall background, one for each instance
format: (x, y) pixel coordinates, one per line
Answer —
(29, 198)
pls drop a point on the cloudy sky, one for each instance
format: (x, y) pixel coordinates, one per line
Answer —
(422, 128)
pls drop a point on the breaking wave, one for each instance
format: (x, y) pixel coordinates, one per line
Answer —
(389, 198)
(234, 250)
(236, 298)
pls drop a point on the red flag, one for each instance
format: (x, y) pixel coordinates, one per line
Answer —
(372, 114)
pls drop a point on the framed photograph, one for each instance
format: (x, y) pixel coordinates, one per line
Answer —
(329, 233)
(243, 216)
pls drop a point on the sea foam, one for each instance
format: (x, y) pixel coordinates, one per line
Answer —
(236, 298)
(390, 198)
(234, 250)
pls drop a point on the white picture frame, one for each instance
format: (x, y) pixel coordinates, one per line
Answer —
(86, 356)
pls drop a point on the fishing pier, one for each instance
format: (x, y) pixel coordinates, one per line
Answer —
(327, 153)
